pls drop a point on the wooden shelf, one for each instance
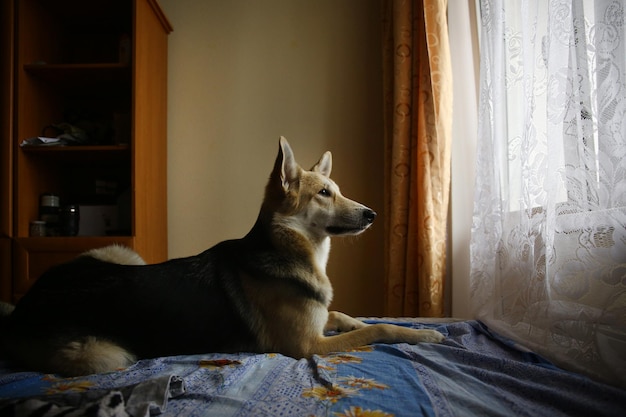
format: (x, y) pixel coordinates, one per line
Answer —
(81, 155)
(81, 74)
(49, 68)
(77, 71)
(76, 149)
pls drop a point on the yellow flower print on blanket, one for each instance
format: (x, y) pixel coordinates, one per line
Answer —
(343, 358)
(346, 389)
(332, 394)
(362, 383)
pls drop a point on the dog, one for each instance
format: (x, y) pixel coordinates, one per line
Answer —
(265, 292)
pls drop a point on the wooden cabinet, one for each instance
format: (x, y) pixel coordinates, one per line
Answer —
(6, 150)
(97, 71)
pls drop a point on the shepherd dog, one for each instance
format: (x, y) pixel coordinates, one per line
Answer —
(266, 292)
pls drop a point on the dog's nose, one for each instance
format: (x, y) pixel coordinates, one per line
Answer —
(369, 215)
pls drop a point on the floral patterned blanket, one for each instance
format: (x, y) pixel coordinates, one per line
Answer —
(474, 372)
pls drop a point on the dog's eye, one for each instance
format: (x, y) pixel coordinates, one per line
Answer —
(324, 192)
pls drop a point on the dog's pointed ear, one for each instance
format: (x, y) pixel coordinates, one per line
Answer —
(286, 169)
(324, 165)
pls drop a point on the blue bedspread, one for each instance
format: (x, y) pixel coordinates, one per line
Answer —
(474, 372)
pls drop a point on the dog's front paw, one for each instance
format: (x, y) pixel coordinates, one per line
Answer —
(340, 322)
(431, 336)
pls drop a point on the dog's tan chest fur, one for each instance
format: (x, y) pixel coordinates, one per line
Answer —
(284, 317)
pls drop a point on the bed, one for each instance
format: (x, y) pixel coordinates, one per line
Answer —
(474, 372)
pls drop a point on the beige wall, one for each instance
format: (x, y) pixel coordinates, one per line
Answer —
(242, 73)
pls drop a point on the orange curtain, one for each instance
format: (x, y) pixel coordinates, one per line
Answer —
(418, 124)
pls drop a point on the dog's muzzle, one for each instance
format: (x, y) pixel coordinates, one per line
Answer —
(367, 218)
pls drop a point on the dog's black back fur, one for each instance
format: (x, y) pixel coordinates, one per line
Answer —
(193, 300)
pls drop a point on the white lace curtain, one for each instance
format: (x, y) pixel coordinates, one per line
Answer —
(548, 247)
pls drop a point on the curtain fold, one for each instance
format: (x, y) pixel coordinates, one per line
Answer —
(418, 122)
(548, 246)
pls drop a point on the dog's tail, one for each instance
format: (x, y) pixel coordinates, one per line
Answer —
(5, 309)
(116, 254)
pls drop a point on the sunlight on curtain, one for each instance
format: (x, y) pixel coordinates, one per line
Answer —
(549, 231)
(418, 123)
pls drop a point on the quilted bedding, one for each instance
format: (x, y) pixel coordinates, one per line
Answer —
(474, 372)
